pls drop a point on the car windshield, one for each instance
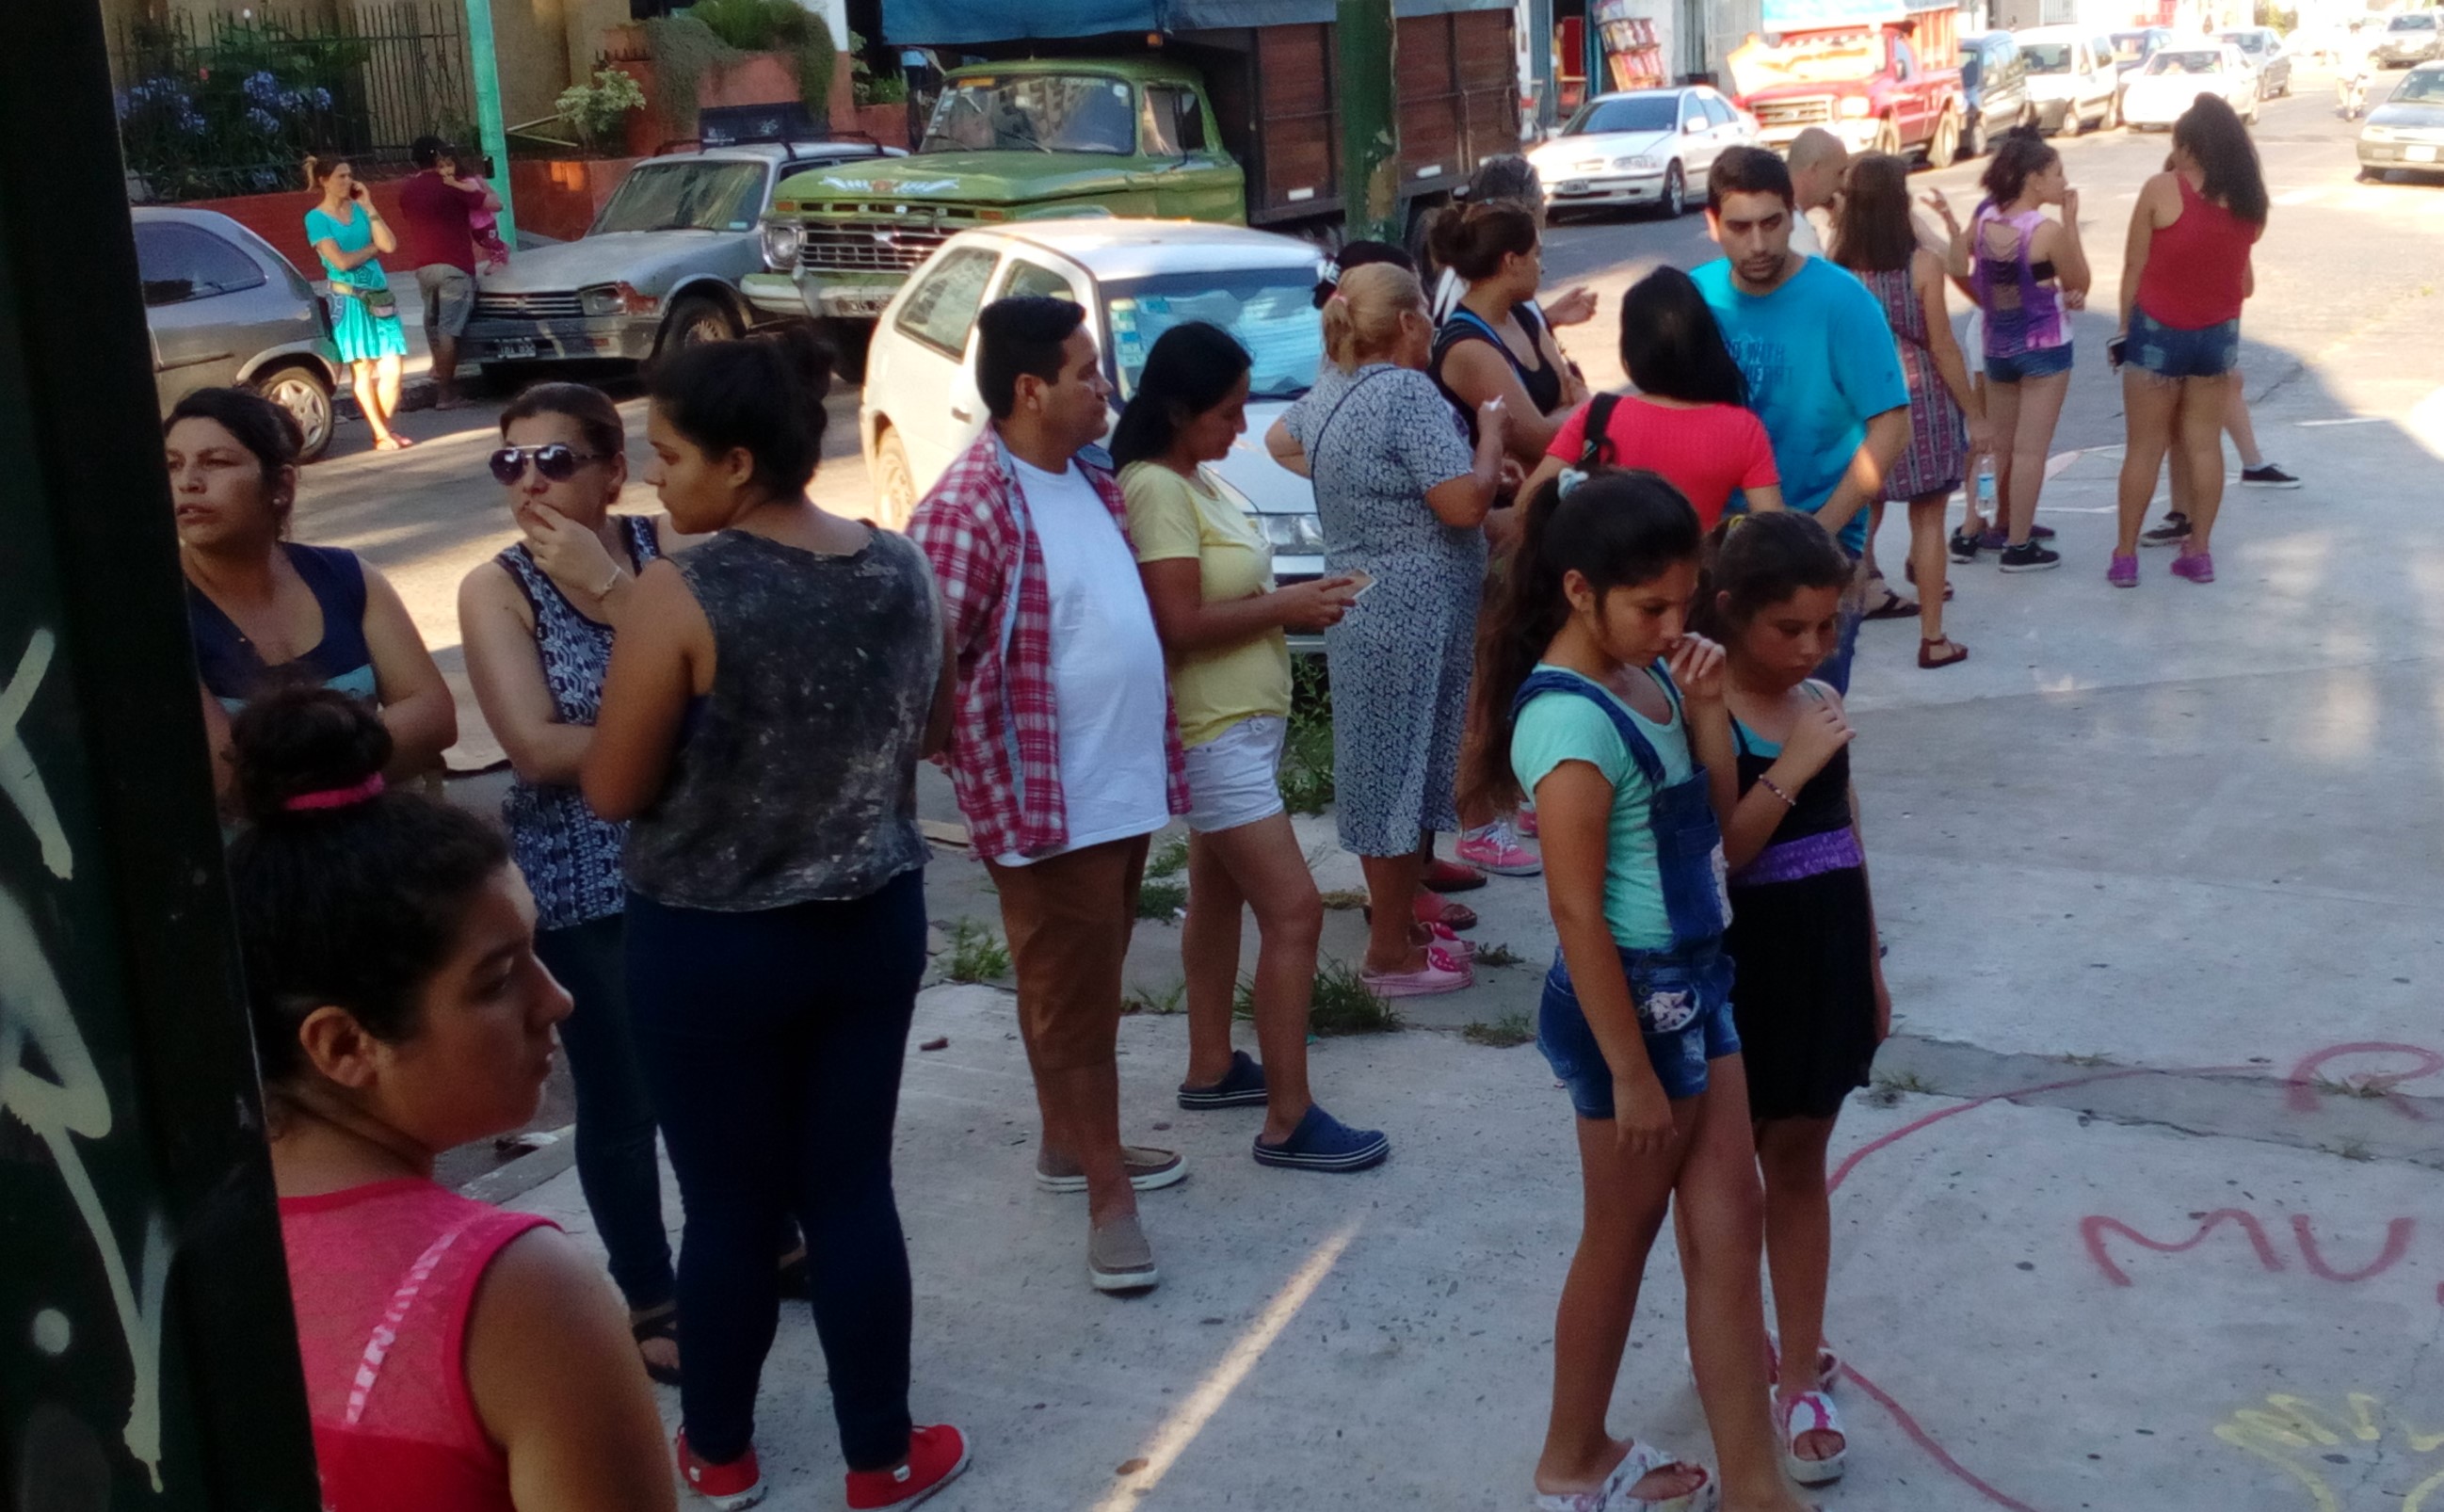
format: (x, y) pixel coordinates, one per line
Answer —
(2198, 59)
(2047, 57)
(2129, 46)
(1269, 310)
(2422, 83)
(2247, 41)
(685, 197)
(1638, 113)
(2412, 24)
(1050, 113)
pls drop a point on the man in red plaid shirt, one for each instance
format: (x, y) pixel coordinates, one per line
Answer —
(1064, 752)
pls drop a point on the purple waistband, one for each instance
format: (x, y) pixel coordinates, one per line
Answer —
(1831, 850)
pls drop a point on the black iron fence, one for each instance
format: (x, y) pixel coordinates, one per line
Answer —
(213, 104)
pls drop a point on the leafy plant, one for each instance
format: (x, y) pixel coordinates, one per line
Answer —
(1504, 1032)
(866, 86)
(1164, 891)
(1342, 1002)
(975, 954)
(597, 111)
(717, 33)
(1307, 753)
(1497, 955)
(236, 111)
(1162, 1003)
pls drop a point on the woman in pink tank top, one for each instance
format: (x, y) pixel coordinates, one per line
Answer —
(457, 1355)
(2183, 279)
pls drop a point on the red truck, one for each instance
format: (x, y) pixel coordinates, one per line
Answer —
(1859, 71)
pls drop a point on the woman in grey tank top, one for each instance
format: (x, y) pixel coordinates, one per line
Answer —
(770, 696)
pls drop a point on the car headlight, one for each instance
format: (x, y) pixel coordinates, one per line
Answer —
(782, 241)
(1637, 165)
(1301, 534)
(1856, 106)
(615, 299)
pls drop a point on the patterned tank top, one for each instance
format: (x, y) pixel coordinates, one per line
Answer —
(2022, 309)
(570, 858)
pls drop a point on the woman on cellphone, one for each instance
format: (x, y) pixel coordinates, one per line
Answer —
(351, 237)
(1209, 579)
(456, 1356)
(1812, 1006)
(1612, 717)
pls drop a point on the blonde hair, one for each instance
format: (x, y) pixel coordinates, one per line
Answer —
(1363, 315)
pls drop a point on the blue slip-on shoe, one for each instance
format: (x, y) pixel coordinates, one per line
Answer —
(1323, 1142)
(1242, 1086)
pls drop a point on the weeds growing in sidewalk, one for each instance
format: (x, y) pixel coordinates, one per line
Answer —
(1497, 955)
(975, 954)
(1345, 897)
(1902, 1081)
(1341, 1004)
(1159, 1001)
(1164, 891)
(1306, 752)
(1504, 1032)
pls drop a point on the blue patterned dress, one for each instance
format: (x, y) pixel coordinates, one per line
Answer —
(570, 858)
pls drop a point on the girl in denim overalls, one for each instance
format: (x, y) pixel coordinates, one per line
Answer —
(1598, 705)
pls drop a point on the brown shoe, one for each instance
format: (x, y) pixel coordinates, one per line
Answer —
(1148, 1168)
(1119, 1259)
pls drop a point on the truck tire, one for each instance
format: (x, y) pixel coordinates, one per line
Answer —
(2112, 113)
(1888, 137)
(1944, 150)
(895, 482)
(1673, 202)
(1972, 139)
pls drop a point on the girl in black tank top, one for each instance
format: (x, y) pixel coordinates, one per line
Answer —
(1495, 251)
(1810, 1003)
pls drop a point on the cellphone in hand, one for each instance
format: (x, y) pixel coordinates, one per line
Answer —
(2113, 349)
(1365, 580)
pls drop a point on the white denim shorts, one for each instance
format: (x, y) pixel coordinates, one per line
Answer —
(1234, 778)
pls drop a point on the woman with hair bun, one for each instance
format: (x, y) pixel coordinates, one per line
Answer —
(769, 693)
(268, 612)
(348, 233)
(1403, 502)
(456, 1356)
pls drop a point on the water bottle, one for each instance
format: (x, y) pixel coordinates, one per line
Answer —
(1984, 508)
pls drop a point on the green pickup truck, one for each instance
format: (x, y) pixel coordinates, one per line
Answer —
(1234, 124)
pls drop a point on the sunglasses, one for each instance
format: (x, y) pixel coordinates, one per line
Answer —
(556, 462)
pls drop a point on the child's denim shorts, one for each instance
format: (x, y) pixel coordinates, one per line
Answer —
(1684, 1009)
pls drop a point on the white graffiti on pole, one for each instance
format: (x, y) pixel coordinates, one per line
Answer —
(34, 1010)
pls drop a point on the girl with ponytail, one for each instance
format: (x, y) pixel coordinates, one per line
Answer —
(1610, 715)
(769, 693)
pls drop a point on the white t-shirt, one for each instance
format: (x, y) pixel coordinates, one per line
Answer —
(1108, 685)
(1803, 235)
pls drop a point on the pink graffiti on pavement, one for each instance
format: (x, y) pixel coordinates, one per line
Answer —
(2311, 1071)
(2397, 1244)
(2092, 1230)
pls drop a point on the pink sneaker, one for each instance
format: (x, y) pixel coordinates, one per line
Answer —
(1525, 823)
(2198, 566)
(1496, 849)
(2124, 571)
(1441, 974)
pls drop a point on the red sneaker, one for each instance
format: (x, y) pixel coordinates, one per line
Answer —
(1451, 877)
(935, 1457)
(730, 1487)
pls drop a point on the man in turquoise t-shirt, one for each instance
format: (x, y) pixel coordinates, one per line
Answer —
(1823, 372)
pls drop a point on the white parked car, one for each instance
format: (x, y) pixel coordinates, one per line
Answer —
(1642, 147)
(919, 410)
(2072, 77)
(2169, 83)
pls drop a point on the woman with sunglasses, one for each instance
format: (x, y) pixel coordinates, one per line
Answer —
(537, 622)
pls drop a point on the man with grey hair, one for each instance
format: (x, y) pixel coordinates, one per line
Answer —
(1818, 161)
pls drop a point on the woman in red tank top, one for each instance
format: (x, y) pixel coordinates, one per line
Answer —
(456, 1356)
(2183, 279)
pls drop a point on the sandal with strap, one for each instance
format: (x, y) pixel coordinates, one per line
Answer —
(1614, 1495)
(1934, 653)
(1809, 1413)
(660, 1323)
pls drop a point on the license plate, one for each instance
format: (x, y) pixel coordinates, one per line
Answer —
(2418, 155)
(513, 350)
(1574, 186)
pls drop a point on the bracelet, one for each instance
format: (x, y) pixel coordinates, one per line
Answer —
(613, 581)
(1768, 783)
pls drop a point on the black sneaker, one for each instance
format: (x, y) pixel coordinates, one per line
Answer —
(1964, 546)
(2174, 530)
(2029, 557)
(2267, 476)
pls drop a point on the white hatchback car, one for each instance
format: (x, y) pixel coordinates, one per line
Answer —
(1137, 278)
(2169, 83)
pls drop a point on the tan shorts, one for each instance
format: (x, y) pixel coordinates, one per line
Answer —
(1068, 919)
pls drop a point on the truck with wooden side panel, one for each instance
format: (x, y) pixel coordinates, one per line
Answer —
(1166, 108)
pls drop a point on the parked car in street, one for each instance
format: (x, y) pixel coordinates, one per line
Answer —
(659, 265)
(1137, 278)
(1639, 147)
(2407, 130)
(2073, 80)
(1861, 80)
(2264, 49)
(2411, 37)
(1994, 88)
(226, 309)
(2182, 72)
(2132, 48)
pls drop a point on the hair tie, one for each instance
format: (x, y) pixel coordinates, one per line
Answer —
(335, 797)
(1332, 272)
(1336, 297)
(1568, 480)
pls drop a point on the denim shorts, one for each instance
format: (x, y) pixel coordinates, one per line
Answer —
(2172, 352)
(1684, 1010)
(2043, 361)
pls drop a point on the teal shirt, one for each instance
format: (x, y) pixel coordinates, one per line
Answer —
(1821, 362)
(1557, 728)
(355, 236)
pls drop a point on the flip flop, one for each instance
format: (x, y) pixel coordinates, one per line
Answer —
(1894, 606)
(1614, 1495)
(662, 1323)
(1433, 910)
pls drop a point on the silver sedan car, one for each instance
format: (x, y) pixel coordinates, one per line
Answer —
(1641, 147)
(2407, 131)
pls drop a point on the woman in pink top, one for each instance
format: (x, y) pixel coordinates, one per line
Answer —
(457, 1355)
(2182, 281)
(1689, 419)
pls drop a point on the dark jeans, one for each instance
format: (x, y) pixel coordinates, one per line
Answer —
(615, 1163)
(773, 1042)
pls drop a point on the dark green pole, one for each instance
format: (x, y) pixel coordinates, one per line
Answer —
(1370, 130)
(148, 1356)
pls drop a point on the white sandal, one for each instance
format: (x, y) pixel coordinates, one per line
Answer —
(1614, 1495)
(1821, 1418)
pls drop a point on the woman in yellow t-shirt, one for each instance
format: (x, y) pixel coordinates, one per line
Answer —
(1209, 577)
